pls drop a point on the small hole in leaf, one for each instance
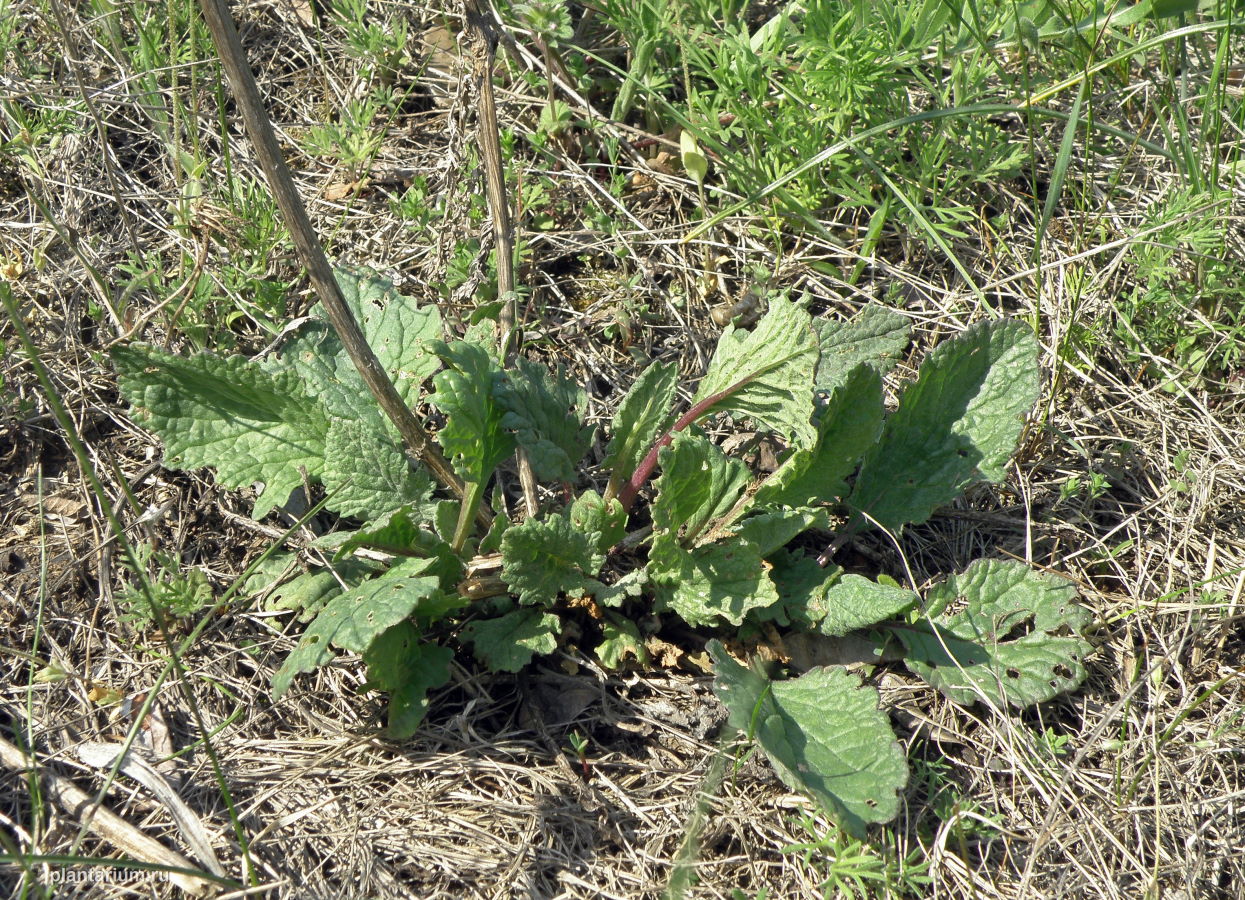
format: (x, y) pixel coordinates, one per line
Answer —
(961, 453)
(871, 803)
(1013, 673)
(1063, 671)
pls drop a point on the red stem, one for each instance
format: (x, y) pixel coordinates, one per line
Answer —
(645, 470)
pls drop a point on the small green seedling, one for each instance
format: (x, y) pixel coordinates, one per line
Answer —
(722, 556)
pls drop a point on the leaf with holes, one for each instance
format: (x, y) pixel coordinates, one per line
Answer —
(1017, 640)
(355, 618)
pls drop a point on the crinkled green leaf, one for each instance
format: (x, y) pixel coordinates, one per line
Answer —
(473, 438)
(592, 515)
(306, 592)
(721, 580)
(354, 618)
(849, 425)
(770, 530)
(644, 415)
(396, 327)
(774, 363)
(620, 639)
(957, 424)
(698, 484)
(630, 587)
(229, 414)
(541, 557)
(369, 472)
(315, 354)
(508, 643)
(547, 416)
(853, 602)
(877, 336)
(824, 735)
(802, 585)
(400, 662)
(1018, 638)
(400, 534)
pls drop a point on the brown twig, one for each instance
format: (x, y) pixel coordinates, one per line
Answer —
(258, 126)
(511, 336)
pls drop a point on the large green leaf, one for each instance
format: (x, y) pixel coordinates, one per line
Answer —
(398, 330)
(721, 580)
(849, 425)
(541, 557)
(508, 643)
(957, 424)
(355, 618)
(854, 602)
(644, 415)
(593, 515)
(399, 533)
(765, 373)
(773, 529)
(876, 337)
(824, 735)
(399, 662)
(547, 416)
(369, 472)
(1018, 638)
(229, 414)
(698, 484)
(473, 438)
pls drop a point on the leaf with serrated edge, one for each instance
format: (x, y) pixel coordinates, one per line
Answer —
(547, 416)
(473, 437)
(854, 602)
(722, 580)
(824, 735)
(592, 515)
(369, 473)
(229, 414)
(876, 336)
(698, 484)
(1018, 640)
(353, 619)
(850, 423)
(402, 664)
(644, 415)
(507, 644)
(396, 327)
(957, 424)
(774, 360)
(620, 638)
(541, 557)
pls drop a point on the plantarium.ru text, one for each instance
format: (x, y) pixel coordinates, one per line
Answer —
(722, 554)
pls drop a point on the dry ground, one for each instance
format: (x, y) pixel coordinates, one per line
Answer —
(1145, 800)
